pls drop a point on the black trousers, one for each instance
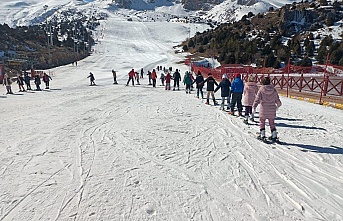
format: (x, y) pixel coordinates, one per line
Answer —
(236, 98)
(176, 83)
(133, 82)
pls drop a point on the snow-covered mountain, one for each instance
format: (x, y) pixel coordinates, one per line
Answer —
(235, 10)
(22, 13)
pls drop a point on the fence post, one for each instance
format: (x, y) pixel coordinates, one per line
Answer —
(324, 80)
(301, 82)
(321, 90)
(282, 80)
(288, 69)
(326, 83)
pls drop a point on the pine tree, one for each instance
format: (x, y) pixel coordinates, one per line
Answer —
(322, 53)
(336, 56)
(191, 43)
(310, 48)
(270, 60)
(329, 21)
(306, 62)
(323, 2)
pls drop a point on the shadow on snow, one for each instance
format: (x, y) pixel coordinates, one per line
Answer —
(299, 126)
(317, 149)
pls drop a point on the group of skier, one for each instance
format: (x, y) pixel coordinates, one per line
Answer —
(236, 93)
(266, 96)
(26, 80)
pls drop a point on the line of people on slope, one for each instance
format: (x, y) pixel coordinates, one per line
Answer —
(26, 79)
(267, 97)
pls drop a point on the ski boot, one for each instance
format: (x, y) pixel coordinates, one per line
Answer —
(245, 120)
(252, 118)
(274, 137)
(262, 135)
(222, 107)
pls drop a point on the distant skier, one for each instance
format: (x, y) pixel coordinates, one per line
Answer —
(249, 94)
(142, 72)
(37, 82)
(137, 77)
(177, 79)
(168, 79)
(149, 76)
(237, 87)
(131, 75)
(187, 80)
(114, 73)
(210, 82)
(224, 85)
(199, 80)
(46, 80)
(27, 80)
(269, 101)
(153, 77)
(20, 82)
(7, 83)
(91, 78)
(162, 78)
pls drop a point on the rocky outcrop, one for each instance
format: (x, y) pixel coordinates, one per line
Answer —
(246, 2)
(200, 4)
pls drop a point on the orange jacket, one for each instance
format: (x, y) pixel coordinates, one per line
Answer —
(153, 74)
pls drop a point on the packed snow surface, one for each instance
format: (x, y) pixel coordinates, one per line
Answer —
(116, 152)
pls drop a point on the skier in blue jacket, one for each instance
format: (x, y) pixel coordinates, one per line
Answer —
(237, 87)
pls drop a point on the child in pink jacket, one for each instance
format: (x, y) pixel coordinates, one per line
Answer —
(268, 99)
(249, 95)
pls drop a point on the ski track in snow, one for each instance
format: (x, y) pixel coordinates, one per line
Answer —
(112, 152)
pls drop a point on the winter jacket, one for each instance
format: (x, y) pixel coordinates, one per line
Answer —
(210, 83)
(7, 81)
(177, 76)
(91, 76)
(27, 79)
(132, 74)
(153, 74)
(269, 100)
(199, 80)
(249, 92)
(37, 80)
(20, 80)
(225, 85)
(237, 85)
(46, 78)
(187, 79)
(168, 77)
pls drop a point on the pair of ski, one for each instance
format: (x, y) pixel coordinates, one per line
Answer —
(269, 140)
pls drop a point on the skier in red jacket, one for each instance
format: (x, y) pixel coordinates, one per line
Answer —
(132, 75)
(168, 78)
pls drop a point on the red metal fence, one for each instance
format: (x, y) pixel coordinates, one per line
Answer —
(321, 80)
